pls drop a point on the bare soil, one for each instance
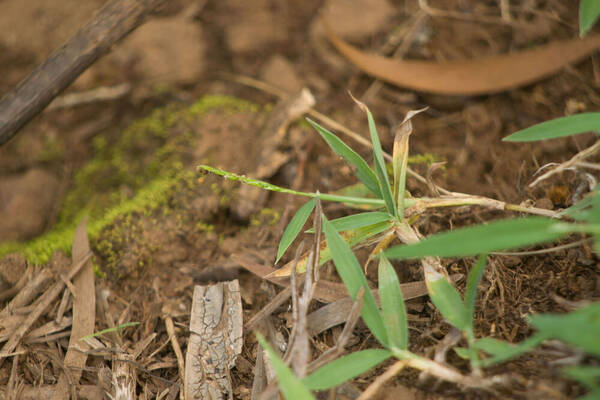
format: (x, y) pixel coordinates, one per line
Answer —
(186, 52)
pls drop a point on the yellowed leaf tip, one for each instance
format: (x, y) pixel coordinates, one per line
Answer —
(412, 113)
(362, 105)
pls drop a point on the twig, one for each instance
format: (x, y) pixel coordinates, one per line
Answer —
(543, 251)
(466, 200)
(585, 164)
(28, 293)
(23, 280)
(90, 96)
(113, 22)
(381, 379)
(176, 348)
(62, 307)
(11, 389)
(267, 310)
(582, 155)
(436, 12)
(446, 373)
(338, 349)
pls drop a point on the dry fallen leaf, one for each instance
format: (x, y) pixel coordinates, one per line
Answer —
(472, 77)
(84, 314)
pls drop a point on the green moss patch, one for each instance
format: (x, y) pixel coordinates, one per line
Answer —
(136, 173)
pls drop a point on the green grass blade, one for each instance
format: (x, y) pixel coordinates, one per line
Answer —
(586, 209)
(357, 221)
(589, 10)
(495, 236)
(274, 188)
(580, 328)
(363, 172)
(447, 300)
(291, 387)
(357, 189)
(393, 309)
(472, 281)
(294, 227)
(380, 170)
(108, 330)
(345, 368)
(503, 351)
(353, 277)
(352, 237)
(559, 127)
(463, 353)
(588, 376)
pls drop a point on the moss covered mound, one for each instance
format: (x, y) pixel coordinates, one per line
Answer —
(149, 169)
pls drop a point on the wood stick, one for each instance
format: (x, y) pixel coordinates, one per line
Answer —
(109, 25)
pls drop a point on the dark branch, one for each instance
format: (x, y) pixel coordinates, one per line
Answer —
(109, 25)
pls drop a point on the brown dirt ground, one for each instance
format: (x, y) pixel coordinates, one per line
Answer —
(236, 37)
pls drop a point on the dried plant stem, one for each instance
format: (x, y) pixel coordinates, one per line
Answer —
(442, 371)
(99, 94)
(382, 379)
(466, 200)
(543, 251)
(436, 12)
(577, 158)
(170, 326)
(338, 349)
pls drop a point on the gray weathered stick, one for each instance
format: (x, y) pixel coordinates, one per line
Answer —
(109, 25)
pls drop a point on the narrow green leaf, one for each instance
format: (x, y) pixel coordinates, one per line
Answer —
(502, 351)
(357, 189)
(586, 209)
(447, 300)
(294, 227)
(580, 328)
(353, 277)
(352, 237)
(493, 346)
(587, 375)
(559, 127)
(345, 368)
(108, 330)
(363, 172)
(291, 387)
(357, 221)
(495, 236)
(274, 188)
(380, 169)
(393, 309)
(589, 10)
(462, 352)
(471, 291)
(593, 395)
